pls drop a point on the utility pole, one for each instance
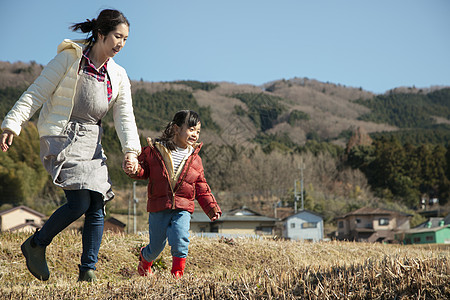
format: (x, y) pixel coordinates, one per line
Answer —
(128, 218)
(135, 201)
(295, 195)
(276, 204)
(302, 166)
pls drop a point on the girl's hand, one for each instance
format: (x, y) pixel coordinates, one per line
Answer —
(215, 217)
(130, 163)
(6, 139)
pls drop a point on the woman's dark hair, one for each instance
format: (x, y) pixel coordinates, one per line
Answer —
(188, 117)
(106, 22)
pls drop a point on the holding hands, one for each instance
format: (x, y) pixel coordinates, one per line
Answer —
(6, 139)
(130, 163)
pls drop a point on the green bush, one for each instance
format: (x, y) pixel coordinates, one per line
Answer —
(263, 109)
(297, 115)
(198, 85)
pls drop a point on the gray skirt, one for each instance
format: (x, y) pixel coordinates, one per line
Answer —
(75, 160)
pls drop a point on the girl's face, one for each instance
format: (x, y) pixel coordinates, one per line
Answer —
(111, 44)
(186, 136)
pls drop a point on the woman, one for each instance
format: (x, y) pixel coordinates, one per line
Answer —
(75, 90)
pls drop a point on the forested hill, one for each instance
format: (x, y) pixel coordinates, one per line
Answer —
(291, 111)
(254, 135)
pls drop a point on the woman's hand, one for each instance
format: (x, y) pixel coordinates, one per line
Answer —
(130, 163)
(6, 139)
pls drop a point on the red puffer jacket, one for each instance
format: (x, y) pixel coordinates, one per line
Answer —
(191, 183)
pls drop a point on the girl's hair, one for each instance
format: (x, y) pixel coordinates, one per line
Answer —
(106, 22)
(188, 117)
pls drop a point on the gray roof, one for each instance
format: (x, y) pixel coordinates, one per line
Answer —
(200, 217)
(434, 223)
(226, 217)
(236, 215)
(4, 212)
(369, 211)
(115, 221)
(303, 212)
(423, 230)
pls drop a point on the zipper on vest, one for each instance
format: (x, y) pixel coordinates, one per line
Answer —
(173, 200)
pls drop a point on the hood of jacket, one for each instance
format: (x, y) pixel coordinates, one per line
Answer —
(166, 156)
(77, 45)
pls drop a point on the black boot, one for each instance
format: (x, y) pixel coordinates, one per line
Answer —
(87, 275)
(35, 257)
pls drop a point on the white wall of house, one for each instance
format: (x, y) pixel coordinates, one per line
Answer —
(17, 217)
(237, 227)
(304, 226)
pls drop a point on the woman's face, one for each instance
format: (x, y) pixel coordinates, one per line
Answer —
(185, 135)
(111, 44)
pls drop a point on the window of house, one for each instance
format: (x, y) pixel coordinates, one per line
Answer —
(341, 224)
(429, 238)
(29, 220)
(309, 225)
(358, 221)
(417, 239)
(383, 221)
(263, 229)
(292, 225)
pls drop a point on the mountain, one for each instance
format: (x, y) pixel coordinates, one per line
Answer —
(243, 112)
(299, 108)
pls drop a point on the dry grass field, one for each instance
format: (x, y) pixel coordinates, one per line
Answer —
(233, 269)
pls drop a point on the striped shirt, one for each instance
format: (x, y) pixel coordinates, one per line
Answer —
(100, 75)
(177, 157)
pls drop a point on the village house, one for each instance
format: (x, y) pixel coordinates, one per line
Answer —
(21, 218)
(237, 222)
(371, 225)
(304, 225)
(433, 231)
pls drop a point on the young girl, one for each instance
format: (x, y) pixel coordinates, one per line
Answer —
(75, 90)
(175, 178)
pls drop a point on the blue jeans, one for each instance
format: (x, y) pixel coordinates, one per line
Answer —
(171, 225)
(79, 202)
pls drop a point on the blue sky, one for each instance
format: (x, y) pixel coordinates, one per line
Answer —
(377, 45)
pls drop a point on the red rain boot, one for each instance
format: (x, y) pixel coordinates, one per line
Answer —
(144, 267)
(178, 264)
